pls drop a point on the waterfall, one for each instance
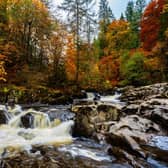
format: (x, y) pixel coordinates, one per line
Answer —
(13, 136)
(90, 95)
(112, 98)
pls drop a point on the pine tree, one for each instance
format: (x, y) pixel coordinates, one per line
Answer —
(133, 15)
(122, 17)
(3, 18)
(76, 11)
(105, 14)
(129, 13)
(105, 18)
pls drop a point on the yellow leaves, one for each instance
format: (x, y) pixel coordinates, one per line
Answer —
(2, 72)
(109, 68)
(165, 8)
(70, 58)
(118, 35)
(166, 33)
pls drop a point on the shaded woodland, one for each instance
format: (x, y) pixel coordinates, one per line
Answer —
(88, 49)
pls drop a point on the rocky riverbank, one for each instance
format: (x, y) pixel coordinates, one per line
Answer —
(127, 130)
(39, 95)
(130, 128)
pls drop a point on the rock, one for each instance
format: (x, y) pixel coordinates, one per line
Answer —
(150, 102)
(160, 116)
(158, 147)
(145, 92)
(4, 115)
(122, 155)
(27, 121)
(90, 115)
(132, 131)
(131, 109)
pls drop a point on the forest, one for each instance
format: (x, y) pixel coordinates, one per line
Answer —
(82, 86)
(89, 49)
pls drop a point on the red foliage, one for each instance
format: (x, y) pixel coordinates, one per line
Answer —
(109, 69)
(150, 24)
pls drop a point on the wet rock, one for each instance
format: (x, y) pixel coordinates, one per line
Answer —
(158, 147)
(131, 109)
(4, 115)
(90, 115)
(27, 121)
(150, 102)
(47, 157)
(130, 132)
(122, 155)
(159, 90)
(160, 116)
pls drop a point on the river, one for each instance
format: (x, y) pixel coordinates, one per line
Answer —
(51, 126)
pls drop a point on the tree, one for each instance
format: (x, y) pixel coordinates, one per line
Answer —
(122, 17)
(30, 26)
(56, 54)
(150, 24)
(89, 24)
(70, 59)
(105, 13)
(109, 68)
(129, 13)
(118, 36)
(139, 8)
(163, 21)
(2, 68)
(76, 12)
(133, 14)
(105, 18)
(133, 70)
(3, 18)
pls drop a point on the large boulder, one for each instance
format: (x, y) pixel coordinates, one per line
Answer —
(131, 132)
(91, 115)
(130, 94)
(150, 102)
(4, 115)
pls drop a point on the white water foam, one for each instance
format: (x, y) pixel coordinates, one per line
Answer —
(44, 132)
(79, 151)
(111, 98)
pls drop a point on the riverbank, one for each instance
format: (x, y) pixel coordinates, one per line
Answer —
(126, 130)
(135, 127)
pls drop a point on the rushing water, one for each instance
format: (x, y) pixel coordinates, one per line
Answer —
(13, 136)
(51, 126)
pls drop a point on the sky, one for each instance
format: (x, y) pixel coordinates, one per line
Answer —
(117, 6)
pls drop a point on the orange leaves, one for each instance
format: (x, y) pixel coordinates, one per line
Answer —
(109, 69)
(70, 59)
(2, 68)
(150, 24)
(2, 72)
(118, 35)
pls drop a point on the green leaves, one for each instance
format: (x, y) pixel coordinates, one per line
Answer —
(133, 70)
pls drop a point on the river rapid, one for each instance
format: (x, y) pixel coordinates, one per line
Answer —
(49, 128)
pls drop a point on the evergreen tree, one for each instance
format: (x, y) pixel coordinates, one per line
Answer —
(3, 18)
(90, 22)
(76, 11)
(105, 14)
(129, 13)
(133, 15)
(122, 17)
(139, 7)
(105, 18)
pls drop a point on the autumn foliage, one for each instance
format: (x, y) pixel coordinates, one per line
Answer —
(39, 48)
(150, 24)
